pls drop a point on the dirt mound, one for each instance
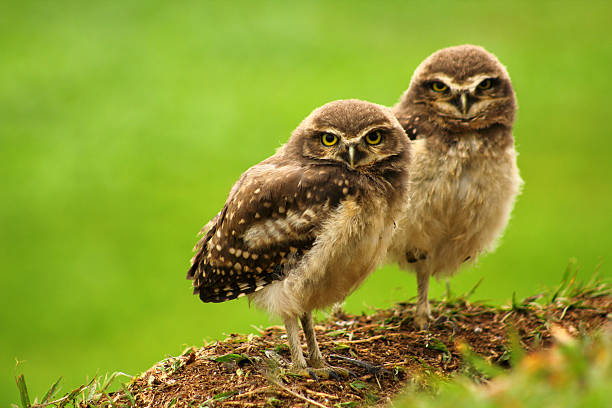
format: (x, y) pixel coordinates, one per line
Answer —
(252, 370)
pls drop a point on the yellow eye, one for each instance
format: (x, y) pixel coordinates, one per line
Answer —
(486, 84)
(373, 138)
(438, 86)
(329, 139)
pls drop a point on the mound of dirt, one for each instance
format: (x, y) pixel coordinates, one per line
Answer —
(251, 371)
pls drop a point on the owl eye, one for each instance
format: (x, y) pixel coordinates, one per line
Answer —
(486, 84)
(373, 138)
(438, 86)
(329, 139)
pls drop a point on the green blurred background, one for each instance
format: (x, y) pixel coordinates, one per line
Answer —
(124, 124)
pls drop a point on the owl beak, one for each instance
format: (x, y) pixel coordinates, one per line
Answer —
(464, 106)
(351, 152)
(352, 155)
(463, 102)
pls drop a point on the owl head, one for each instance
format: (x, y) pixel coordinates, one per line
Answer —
(358, 135)
(461, 88)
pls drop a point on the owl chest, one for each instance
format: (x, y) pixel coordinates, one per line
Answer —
(456, 191)
(349, 249)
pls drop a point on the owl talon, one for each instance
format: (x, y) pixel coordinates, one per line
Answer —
(312, 374)
(336, 373)
(303, 372)
(421, 321)
(324, 373)
(370, 368)
(421, 325)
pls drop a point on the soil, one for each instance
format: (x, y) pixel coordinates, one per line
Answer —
(252, 371)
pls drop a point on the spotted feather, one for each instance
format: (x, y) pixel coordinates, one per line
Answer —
(267, 224)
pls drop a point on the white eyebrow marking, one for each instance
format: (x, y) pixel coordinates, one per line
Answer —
(469, 83)
(378, 126)
(331, 130)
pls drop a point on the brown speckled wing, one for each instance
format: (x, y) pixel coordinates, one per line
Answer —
(410, 124)
(267, 224)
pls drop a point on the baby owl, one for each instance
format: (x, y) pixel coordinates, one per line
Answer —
(459, 111)
(302, 229)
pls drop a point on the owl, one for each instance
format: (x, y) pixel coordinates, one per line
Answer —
(302, 229)
(458, 111)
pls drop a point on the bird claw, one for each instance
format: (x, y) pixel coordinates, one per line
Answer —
(370, 368)
(312, 374)
(421, 322)
(422, 319)
(336, 373)
(324, 373)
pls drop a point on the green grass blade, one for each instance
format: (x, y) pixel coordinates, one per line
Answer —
(51, 391)
(224, 395)
(110, 400)
(128, 394)
(229, 357)
(516, 350)
(92, 390)
(107, 381)
(479, 364)
(471, 291)
(23, 391)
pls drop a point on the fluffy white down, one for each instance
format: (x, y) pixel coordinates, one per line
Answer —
(349, 246)
(458, 206)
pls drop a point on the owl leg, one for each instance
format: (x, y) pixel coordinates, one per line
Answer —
(317, 361)
(293, 338)
(315, 358)
(423, 313)
(320, 367)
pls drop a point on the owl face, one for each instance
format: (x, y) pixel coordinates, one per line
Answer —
(461, 88)
(465, 100)
(354, 133)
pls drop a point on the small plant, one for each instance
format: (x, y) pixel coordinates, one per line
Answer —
(93, 394)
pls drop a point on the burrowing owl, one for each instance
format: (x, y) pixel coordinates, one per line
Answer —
(459, 110)
(303, 228)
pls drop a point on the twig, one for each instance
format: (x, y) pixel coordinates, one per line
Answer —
(369, 339)
(321, 394)
(295, 394)
(241, 403)
(255, 391)
(367, 326)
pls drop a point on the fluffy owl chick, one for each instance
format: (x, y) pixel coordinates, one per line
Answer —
(303, 228)
(459, 111)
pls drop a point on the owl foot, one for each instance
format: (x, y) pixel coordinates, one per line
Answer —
(323, 373)
(370, 368)
(421, 320)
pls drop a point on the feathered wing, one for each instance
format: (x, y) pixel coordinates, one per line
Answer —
(408, 123)
(415, 124)
(267, 224)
